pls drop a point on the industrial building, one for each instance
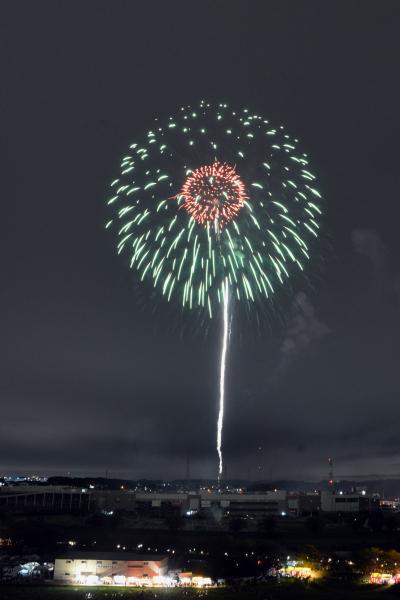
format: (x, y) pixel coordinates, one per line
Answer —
(340, 502)
(207, 502)
(45, 498)
(156, 504)
(303, 504)
(268, 503)
(114, 568)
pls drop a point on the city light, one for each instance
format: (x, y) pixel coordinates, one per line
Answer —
(162, 581)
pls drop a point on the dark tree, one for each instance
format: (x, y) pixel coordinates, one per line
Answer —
(376, 520)
(391, 523)
(236, 524)
(267, 525)
(173, 522)
(314, 525)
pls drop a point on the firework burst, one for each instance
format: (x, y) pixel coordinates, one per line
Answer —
(214, 194)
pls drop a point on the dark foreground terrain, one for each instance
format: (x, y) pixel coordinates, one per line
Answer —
(267, 591)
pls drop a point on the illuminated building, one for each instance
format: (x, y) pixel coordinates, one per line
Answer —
(384, 578)
(190, 580)
(117, 568)
(298, 571)
(389, 504)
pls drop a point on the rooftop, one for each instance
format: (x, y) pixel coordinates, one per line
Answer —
(94, 555)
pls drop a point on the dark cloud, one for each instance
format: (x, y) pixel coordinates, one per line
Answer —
(304, 327)
(369, 244)
(386, 281)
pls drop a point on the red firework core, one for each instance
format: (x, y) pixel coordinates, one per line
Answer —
(213, 193)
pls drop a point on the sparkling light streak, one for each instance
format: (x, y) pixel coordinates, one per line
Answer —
(224, 348)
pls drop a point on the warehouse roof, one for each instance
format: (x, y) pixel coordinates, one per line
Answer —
(94, 555)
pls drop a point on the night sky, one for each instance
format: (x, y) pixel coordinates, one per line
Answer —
(97, 373)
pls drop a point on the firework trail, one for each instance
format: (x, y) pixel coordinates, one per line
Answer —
(224, 349)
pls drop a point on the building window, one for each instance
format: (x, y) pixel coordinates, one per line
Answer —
(341, 500)
(66, 574)
(115, 562)
(99, 563)
(83, 562)
(68, 561)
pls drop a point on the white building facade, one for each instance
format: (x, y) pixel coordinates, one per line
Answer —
(114, 568)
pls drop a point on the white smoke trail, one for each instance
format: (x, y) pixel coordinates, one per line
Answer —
(225, 338)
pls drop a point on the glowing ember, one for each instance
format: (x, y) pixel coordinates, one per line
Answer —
(213, 193)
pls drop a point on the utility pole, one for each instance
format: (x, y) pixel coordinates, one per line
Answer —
(331, 481)
(188, 474)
